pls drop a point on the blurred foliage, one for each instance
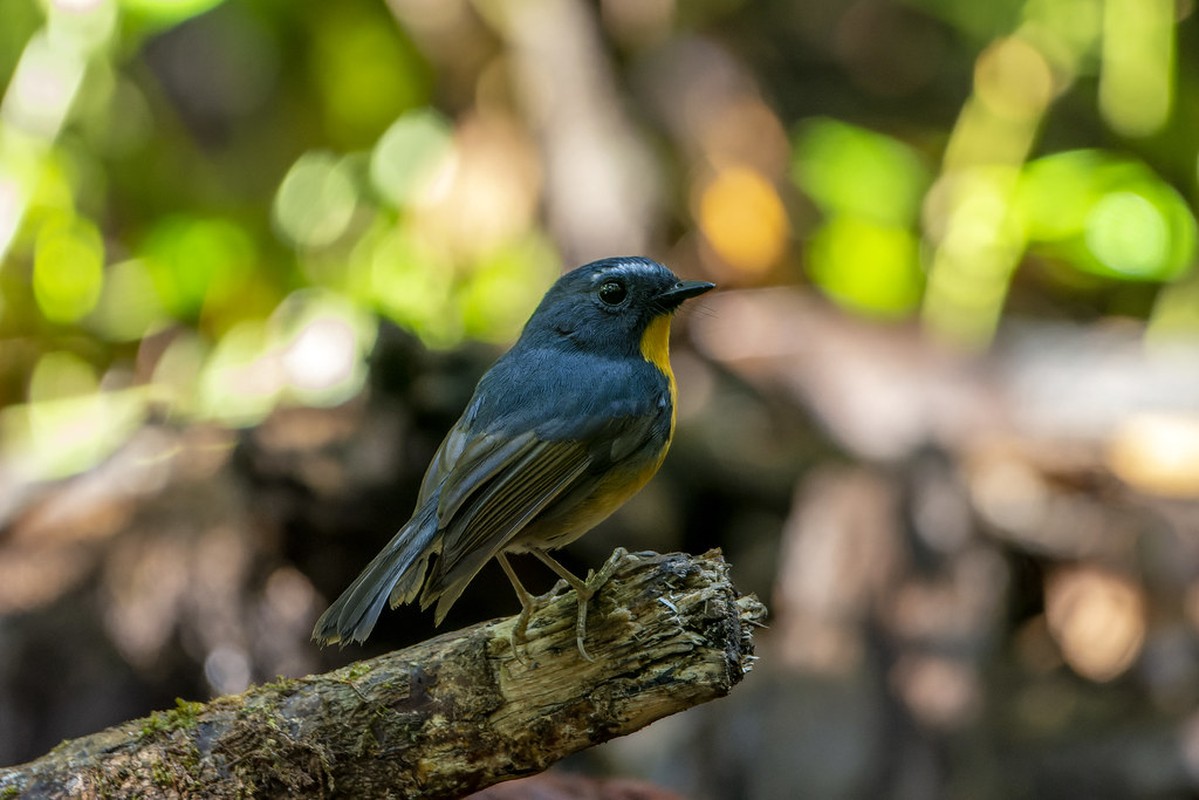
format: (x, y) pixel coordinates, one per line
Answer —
(179, 171)
(208, 208)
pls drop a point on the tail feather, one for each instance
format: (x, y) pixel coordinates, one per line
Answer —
(352, 617)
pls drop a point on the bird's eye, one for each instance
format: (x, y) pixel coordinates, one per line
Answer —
(613, 293)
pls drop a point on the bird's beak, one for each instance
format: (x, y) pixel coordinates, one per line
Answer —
(673, 297)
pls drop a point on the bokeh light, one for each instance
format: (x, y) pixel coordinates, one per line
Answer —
(743, 219)
(68, 269)
(323, 340)
(129, 307)
(1158, 453)
(869, 267)
(365, 69)
(195, 262)
(1097, 619)
(408, 156)
(1136, 84)
(852, 171)
(865, 255)
(1106, 215)
(315, 201)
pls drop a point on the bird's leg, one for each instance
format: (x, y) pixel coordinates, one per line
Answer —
(527, 602)
(584, 589)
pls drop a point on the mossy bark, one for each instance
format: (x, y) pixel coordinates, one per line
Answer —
(442, 718)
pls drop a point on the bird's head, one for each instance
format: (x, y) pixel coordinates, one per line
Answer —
(608, 306)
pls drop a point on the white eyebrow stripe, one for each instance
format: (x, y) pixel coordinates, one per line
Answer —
(626, 269)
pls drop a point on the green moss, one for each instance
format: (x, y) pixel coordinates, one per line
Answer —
(161, 775)
(9, 792)
(183, 716)
(280, 684)
(357, 670)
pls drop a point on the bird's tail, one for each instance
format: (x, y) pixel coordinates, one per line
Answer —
(397, 572)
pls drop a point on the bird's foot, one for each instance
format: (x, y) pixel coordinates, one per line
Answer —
(588, 589)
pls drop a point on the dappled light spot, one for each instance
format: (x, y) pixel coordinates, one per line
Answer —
(849, 170)
(32, 576)
(198, 264)
(868, 267)
(241, 380)
(321, 357)
(129, 307)
(839, 550)
(365, 70)
(1010, 494)
(1128, 234)
(941, 693)
(175, 370)
(1136, 79)
(407, 280)
(409, 156)
(1106, 215)
(1013, 79)
(1174, 323)
(1158, 453)
(54, 438)
(288, 607)
(746, 133)
(323, 341)
(43, 87)
(978, 248)
(227, 669)
(68, 269)
(145, 581)
(60, 374)
(501, 292)
(11, 208)
(1097, 619)
(481, 196)
(315, 201)
(743, 219)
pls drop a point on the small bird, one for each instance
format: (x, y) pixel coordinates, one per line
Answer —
(560, 432)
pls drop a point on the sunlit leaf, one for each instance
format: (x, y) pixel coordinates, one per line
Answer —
(165, 13)
(190, 259)
(850, 170)
(408, 282)
(241, 381)
(315, 201)
(409, 154)
(68, 269)
(502, 291)
(867, 267)
(1106, 215)
(50, 439)
(129, 306)
(367, 71)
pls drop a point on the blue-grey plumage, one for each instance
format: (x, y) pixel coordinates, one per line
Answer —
(563, 429)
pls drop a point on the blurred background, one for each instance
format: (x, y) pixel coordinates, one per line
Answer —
(943, 415)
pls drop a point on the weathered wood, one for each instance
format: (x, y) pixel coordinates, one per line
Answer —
(442, 718)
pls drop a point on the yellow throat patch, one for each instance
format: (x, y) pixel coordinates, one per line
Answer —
(655, 348)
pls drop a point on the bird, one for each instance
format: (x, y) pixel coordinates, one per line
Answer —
(563, 428)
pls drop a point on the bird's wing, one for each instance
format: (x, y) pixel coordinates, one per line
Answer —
(504, 487)
(494, 491)
(448, 453)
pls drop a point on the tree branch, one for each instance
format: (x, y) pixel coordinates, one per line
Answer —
(444, 717)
